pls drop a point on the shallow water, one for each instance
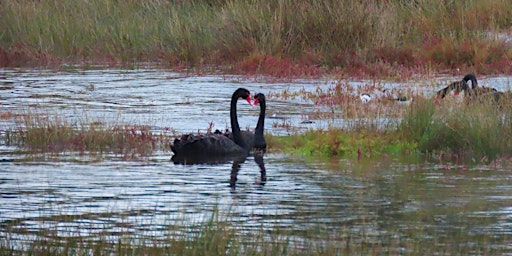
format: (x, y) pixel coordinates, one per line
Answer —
(72, 195)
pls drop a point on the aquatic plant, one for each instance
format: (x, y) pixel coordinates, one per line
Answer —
(478, 130)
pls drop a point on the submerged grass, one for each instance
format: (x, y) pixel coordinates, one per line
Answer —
(219, 236)
(283, 38)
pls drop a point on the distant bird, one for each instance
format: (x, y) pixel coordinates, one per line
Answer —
(469, 85)
(365, 97)
(457, 87)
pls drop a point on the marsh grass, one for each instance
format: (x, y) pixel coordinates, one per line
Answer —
(477, 130)
(281, 38)
(44, 133)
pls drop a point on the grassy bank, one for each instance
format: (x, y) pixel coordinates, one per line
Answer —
(280, 38)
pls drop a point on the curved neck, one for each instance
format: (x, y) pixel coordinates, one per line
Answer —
(472, 78)
(261, 120)
(235, 128)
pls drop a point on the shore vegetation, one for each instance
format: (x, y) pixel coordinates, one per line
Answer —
(280, 38)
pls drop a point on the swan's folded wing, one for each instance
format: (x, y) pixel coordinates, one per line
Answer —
(206, 145)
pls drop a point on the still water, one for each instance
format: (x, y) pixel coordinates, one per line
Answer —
(72, 195)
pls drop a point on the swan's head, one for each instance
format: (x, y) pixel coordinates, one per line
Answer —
(244, 94)
(258, 99)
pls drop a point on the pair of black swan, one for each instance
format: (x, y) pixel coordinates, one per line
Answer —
(217, 147)
(470, 92)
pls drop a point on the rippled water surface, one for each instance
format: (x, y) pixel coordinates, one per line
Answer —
(73, 195)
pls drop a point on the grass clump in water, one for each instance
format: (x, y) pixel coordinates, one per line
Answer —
(43, 134)
(342, 143)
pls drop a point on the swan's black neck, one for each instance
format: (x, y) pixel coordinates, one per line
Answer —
(259, 139)
(472, 78)
(235, 128)
(261, 119)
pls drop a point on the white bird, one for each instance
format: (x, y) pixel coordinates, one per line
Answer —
(365, 97)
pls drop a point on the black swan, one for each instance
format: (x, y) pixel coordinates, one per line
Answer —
(457, 86)
(194, 148)
(470, 92)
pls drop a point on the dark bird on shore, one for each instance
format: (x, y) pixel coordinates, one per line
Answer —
(400, 98)
(468, 85)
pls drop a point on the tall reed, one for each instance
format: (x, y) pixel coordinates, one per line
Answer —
(348, 34)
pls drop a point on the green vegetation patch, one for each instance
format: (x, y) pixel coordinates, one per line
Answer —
(472, 130)
(341, 143)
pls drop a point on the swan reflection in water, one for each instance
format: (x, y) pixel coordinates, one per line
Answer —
(258, 158)
(235, 168)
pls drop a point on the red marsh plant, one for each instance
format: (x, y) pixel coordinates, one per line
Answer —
(273, 66)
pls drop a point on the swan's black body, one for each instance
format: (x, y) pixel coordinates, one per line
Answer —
(458, 86)
(194, 148)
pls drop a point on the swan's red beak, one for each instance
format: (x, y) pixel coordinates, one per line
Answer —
(456, 93)
(255, 102)
(249, 99)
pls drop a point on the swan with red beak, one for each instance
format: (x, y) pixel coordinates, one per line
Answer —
(259, 140)
(191, 148)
